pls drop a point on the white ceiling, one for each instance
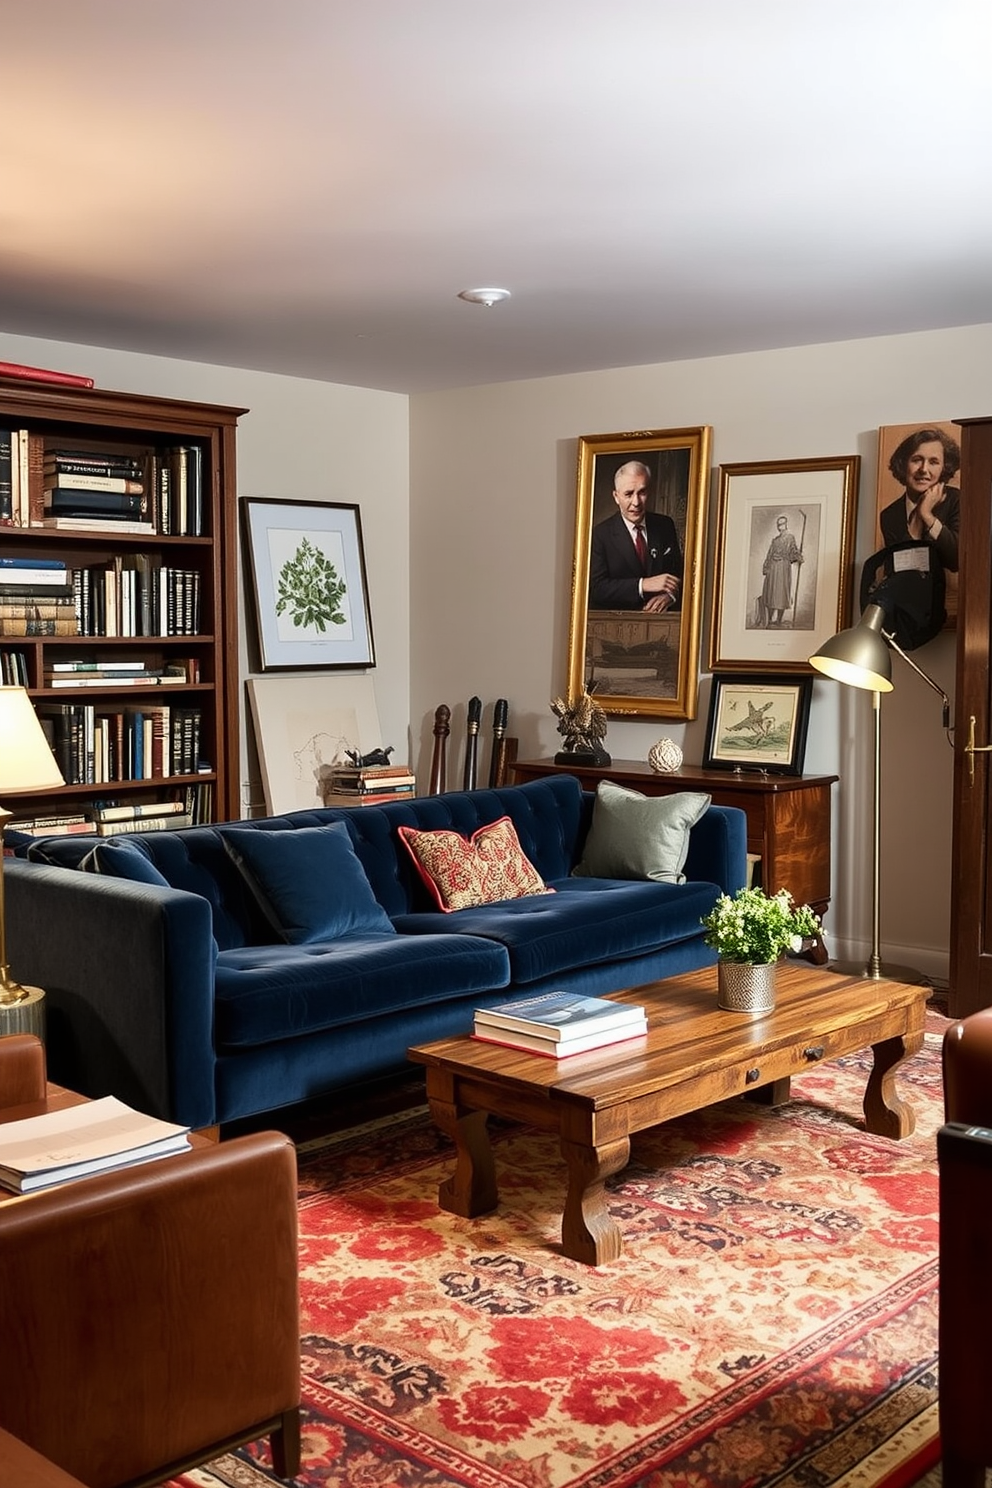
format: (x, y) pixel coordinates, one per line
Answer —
(303, 186)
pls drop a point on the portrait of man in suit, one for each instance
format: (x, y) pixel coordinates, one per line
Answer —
(635, 605)
(635, 559)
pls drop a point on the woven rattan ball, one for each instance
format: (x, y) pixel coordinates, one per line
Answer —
(665, 756)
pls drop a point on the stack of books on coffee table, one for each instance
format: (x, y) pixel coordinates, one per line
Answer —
(560, 1023)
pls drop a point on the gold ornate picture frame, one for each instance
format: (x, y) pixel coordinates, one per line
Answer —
(635, 610)
(784, 550)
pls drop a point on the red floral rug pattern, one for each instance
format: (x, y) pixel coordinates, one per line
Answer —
(771, 1323)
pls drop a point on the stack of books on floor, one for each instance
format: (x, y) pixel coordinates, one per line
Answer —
(560, 1023)
(36, 597)
(96, 1137)
(369, 785)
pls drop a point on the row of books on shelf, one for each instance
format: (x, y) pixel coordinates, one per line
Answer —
(190, 806)
(557, 1024)
(93, 744)
(130, 595)
(46, 485)
(97, 1136)
(91, 672)
(368, 785)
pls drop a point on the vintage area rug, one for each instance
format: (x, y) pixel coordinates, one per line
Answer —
(773, 1320)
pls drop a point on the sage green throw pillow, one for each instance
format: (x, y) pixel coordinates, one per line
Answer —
(638, 836)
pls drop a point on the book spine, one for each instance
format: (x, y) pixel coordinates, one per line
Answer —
(6, 486)
(87, 498)
(54, 609)
(48, 578)
(42, 374)
(35, 478)
(29, 627)
(97, 460)
(62, 480)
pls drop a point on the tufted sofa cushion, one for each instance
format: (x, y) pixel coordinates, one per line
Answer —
(269, 993)
(586, 922)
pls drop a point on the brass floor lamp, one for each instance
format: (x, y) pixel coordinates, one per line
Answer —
(26, 764)
(862, 657)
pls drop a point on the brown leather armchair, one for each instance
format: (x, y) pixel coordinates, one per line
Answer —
(150, 1316)
(965, 1321)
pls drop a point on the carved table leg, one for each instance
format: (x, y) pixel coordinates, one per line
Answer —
(471, 1189)
(587, 1232)
(886, 1115)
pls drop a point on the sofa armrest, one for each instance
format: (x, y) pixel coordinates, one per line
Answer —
(128, 970)
(718, 849)
(967, 1069)
(150, 1314)
(22, 1069)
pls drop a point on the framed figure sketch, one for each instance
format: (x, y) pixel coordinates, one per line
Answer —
(784, 550)
(637, 571)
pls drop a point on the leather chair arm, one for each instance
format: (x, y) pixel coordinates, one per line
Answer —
(967, 1066)
(22, 1069)
(150, 1314)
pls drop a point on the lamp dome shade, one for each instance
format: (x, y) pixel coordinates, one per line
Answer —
(858, 657)
(26, 761)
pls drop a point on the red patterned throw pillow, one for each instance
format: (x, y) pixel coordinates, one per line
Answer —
(462, 872)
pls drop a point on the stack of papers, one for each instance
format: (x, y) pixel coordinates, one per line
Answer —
(95, 1137)
(559, 1023)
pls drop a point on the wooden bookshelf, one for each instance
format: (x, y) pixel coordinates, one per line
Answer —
(202, 640)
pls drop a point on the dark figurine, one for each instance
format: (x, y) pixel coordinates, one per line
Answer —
(374, 757)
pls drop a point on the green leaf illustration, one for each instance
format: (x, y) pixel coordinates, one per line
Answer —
(310, 591)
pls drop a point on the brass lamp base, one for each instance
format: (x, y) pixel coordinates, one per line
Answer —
(26, 1015)
(886, 969)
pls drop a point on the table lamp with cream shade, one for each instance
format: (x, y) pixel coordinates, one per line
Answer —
(26, 764)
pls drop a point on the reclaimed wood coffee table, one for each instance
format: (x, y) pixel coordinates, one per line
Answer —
(693, 1055)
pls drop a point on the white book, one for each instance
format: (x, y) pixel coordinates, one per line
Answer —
(560, 1015)
(536, 1043)
(41, 1151)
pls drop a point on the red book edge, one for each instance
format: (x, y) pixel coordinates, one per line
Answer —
(40, 374)
(623, 1037)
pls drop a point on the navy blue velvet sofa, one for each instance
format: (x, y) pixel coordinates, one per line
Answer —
(179, 996)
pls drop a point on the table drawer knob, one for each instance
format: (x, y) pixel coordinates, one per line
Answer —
(752, 1076)
(813, 1052)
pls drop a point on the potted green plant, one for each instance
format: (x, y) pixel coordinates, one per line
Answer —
(750, 932)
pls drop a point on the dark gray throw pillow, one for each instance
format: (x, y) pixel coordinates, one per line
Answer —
(122, 859)
(638, 836)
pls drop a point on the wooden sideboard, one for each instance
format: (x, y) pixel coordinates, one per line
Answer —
(788, 816)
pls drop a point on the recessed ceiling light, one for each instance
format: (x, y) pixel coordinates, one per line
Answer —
(487, 297)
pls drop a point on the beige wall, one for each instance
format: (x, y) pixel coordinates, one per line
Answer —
(300, 440)
(489, 528)
(492, 522)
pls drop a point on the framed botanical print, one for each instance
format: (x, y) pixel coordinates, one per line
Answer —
(785, 546)
(637, 571)
(307, 567)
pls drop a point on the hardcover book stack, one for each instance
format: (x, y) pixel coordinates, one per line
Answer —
(559, 1023)
(36, 597)
(86, 489)
(96, 1137)
(369, 785)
